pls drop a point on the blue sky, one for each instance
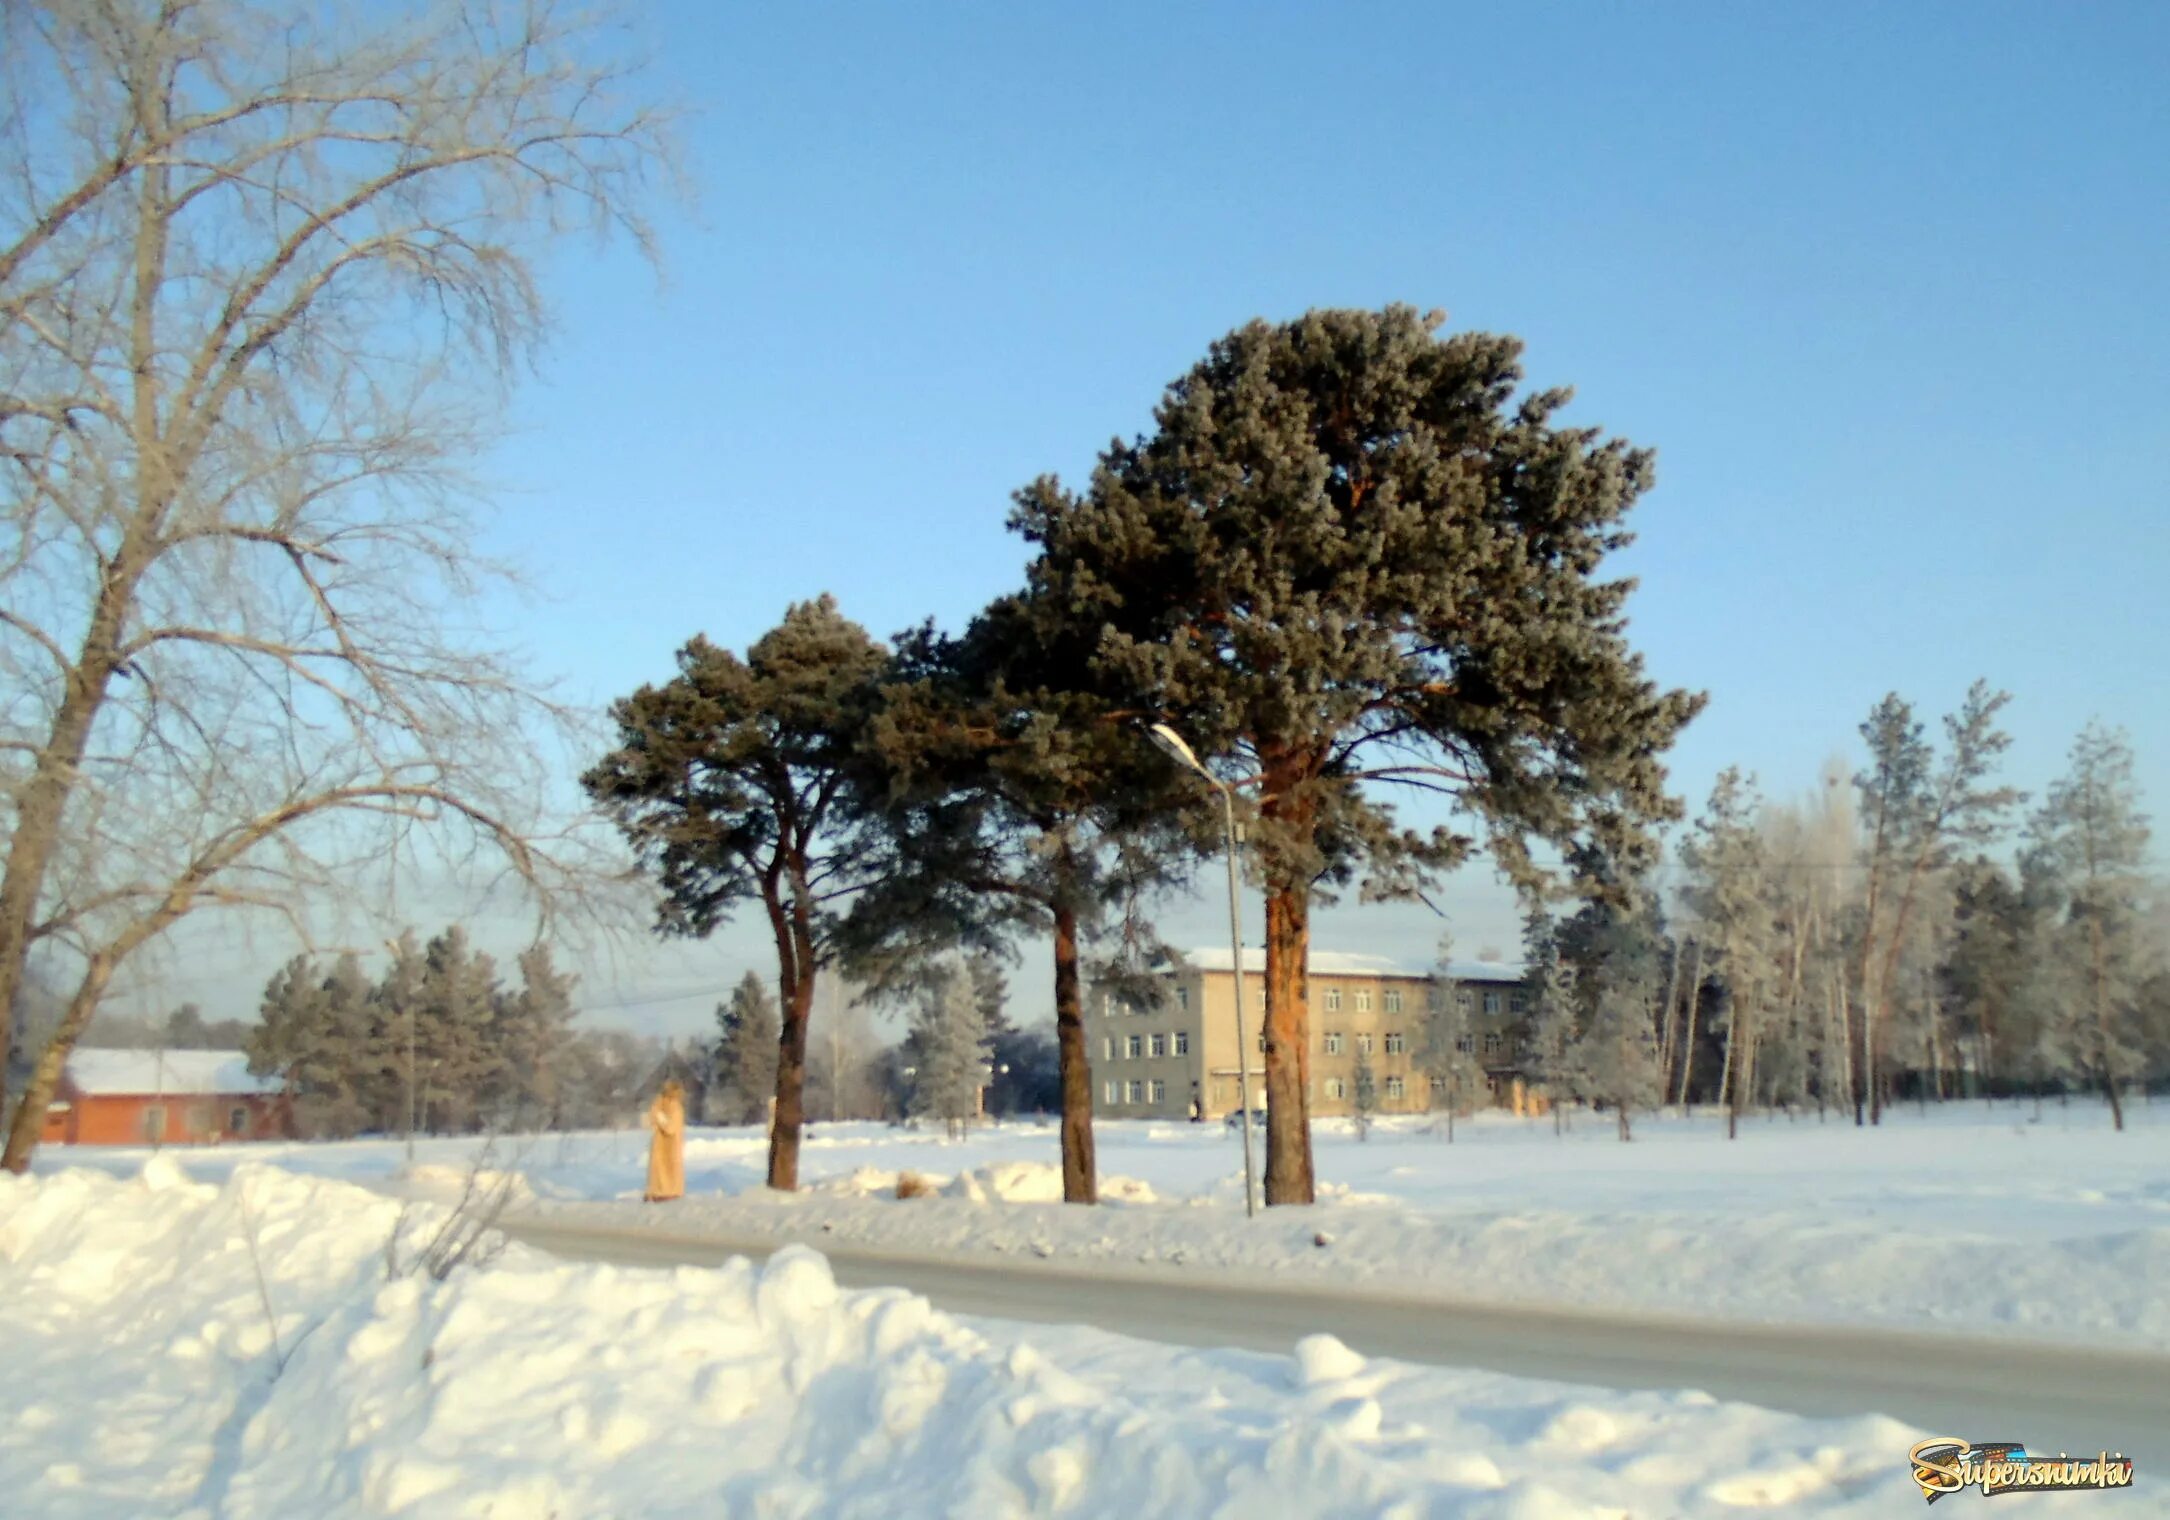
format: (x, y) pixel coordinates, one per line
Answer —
(1886, 287)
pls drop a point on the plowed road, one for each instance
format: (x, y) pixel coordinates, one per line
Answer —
(2073, 1397)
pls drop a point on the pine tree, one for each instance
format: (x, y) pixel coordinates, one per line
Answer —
(1348, 558)
(728, 783)
(2090, 839)
(950, 1051)
(1918, 814)
(1009, 802)
(1730, 893)
(747, 1031)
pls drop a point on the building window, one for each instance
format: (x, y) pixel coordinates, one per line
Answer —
(1107, 1047)
(1363, 1000)
(1491, 1004)
(1333, 1042)
(1464, 997)
(1333, 1000)
(1182, 1042)
(1137, 1092)
(1156, 1044)
(237, 1122)
(1518, 1002)
(1182, 997)
(1466, 1044)
(1439, 1084)
(1395, 1044)
(1134, 1047)
(1156, 1091)
(154, 1123)
(1112, 1092)
(1393, 1087)
(1336, 1088)
(1262, 1040)
(1363, 1044)
(1491, 1044)
(1390, 1000)
(1107, 1005)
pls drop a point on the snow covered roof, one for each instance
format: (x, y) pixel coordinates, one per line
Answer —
(177, 1073)
(1346, 963)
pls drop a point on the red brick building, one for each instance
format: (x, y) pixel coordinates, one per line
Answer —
(171, 1097)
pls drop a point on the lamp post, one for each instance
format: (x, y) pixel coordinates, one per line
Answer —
(1171, 743)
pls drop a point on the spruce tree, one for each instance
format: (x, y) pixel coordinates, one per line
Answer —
(949, 1050)
(727, 782)
(1350, 559)
(747, 1031)
(534, 1034)
(1363, 1090)
(1615, 946)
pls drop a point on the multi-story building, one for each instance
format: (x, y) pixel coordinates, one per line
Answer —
(1155, 1060)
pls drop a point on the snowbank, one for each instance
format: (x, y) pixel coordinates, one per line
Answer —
(145, 1377)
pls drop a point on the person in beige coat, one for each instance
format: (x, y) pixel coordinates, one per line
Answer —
(667, 1144)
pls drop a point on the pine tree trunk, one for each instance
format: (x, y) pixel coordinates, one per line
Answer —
(1080, 1181)
(1289, 1177)
(795, 953)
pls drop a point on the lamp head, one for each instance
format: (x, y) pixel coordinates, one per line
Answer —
(1171, 743)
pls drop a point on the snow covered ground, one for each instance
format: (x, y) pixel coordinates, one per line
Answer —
(240, 1352)
(1995, 1220)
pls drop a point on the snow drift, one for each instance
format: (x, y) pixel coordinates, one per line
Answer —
(245, 1352)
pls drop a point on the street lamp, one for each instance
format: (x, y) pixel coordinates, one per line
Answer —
(1171, 743)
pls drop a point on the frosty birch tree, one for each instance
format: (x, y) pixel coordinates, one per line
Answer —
(2090, 838)
(262, 273)
(1447, 1052)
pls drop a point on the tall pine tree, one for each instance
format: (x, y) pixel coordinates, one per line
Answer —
(727, 781)
(1350, 557)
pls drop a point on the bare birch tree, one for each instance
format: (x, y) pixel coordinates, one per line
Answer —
(264, 271)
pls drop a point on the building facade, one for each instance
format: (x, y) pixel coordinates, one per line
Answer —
(1175, 1057)
(174, 1097)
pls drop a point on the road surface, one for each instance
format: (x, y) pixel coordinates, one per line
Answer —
(2079, 1397)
